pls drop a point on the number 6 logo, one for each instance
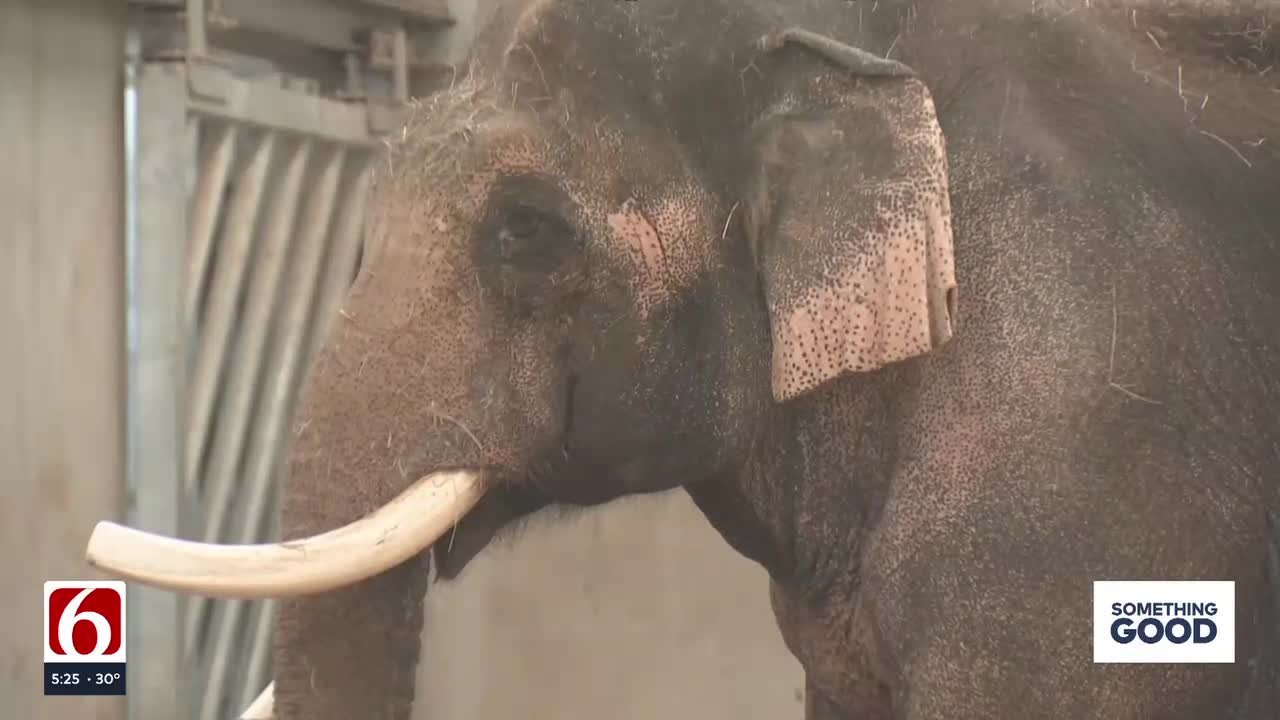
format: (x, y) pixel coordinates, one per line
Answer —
(72, 615)
(84, 621)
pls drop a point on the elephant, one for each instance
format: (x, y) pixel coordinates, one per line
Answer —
(938, 311)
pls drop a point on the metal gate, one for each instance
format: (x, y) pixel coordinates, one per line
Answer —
(251, 128)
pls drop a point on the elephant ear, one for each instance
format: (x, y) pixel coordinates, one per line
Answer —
(847, 212)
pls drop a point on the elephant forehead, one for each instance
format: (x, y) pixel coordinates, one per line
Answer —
(512, 143)
(454, 148)
(505, 150)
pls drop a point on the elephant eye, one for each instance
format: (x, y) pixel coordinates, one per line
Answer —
(530, 236)
(523, 223)
(527, 244)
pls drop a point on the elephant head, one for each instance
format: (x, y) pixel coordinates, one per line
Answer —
(593, 265)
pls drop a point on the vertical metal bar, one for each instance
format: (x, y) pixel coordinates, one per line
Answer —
(258, 670)
(132, 70)
(160, 157)
(197, 39)
(205, 208)
(133, 450)
(245, 363)
(224, 296)
(400, 64)
(255, 675)
(354, 75)
(227, 623)
(348, 236)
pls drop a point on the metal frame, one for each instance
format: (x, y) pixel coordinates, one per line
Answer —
(246, 189)
(158, 140)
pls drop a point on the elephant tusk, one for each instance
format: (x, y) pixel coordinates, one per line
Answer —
(262, 708)
(373, 544)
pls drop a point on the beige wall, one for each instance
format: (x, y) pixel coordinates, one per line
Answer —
(61, 318)
(634, 611)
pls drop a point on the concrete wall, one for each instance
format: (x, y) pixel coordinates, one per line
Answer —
(634, 611)
(61, 318)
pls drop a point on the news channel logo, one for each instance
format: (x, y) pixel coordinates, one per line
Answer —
(84, 637)
(1186, 621)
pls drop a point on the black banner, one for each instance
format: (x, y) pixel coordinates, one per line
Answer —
(84, 678)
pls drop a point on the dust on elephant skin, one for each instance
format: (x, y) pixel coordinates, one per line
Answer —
(937, 342)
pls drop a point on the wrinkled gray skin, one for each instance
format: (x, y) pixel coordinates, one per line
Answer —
(1262, 698)
(639, 249)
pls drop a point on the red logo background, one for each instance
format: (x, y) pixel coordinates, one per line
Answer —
(105, 601)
